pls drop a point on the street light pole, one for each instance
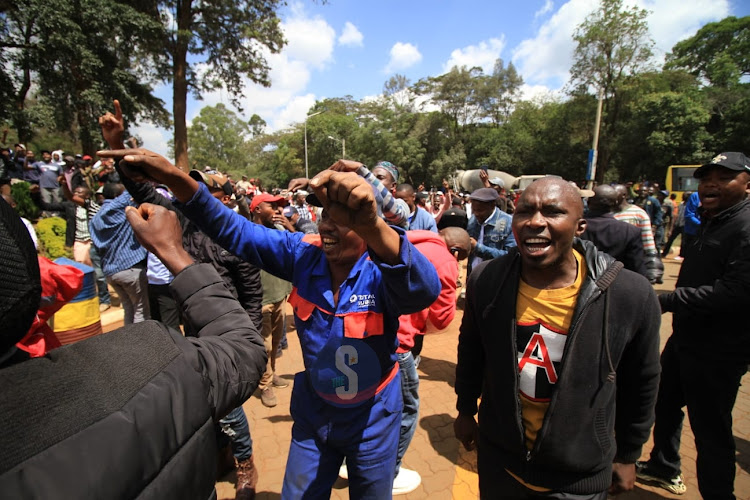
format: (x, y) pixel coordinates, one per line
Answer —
(307, 175)
(343, 145)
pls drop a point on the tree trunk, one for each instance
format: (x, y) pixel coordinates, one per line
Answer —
(20, 120)
(179, 97)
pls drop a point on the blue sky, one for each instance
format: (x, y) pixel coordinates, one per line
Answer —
(351, 47)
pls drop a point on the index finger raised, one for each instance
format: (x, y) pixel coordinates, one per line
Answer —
(118, 110)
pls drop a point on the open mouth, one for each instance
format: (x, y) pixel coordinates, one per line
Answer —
(328, 242)
(537, 245)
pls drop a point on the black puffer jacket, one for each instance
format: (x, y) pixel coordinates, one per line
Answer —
(603, 403)
(130, 413)
(713, 288)
(242, 278)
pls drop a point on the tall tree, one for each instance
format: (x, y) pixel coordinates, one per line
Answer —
(718, 52)
(227, 39)
(612, 44)
(397, 91)
(71, 72)
(499, 91)
(456, 93)
(217, 137)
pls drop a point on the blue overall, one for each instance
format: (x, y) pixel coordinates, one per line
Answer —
(347, 402)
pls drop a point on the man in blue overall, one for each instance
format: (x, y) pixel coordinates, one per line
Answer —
(351, 283)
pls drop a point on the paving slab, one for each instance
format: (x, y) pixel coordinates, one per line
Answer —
(449, 471)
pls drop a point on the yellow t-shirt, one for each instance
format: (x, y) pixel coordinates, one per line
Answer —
(543, 319)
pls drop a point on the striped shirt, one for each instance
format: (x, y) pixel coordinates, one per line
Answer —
(638, 217)
(114, 238)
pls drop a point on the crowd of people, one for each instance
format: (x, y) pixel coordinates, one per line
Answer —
(558, 351)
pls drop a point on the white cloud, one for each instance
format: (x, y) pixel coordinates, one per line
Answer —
(546, 9)
(310, 48)
(483, 55)
(673, 20)
(309, 40)
(538, 93)
(546, 58)
(403, 56)
(152, 138)
(294, 111)
(351, 36)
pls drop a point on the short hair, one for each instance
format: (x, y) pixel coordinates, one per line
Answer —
(112, 190)
(405, 188)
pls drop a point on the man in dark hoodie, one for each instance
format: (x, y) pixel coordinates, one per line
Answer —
(709, 349)
(134, 408)
(566, 372)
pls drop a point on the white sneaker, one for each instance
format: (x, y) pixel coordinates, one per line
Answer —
(343, 472)
(406, 481)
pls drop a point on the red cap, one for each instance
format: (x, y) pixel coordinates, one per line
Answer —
(260, 198)
(87, 157)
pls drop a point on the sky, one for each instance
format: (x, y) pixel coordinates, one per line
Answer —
(352, 47)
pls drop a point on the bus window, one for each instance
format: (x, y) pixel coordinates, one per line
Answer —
(680, 179)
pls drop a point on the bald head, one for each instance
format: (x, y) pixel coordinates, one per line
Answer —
(604, 199)
(622, 195)
(457, 240)
(557, 189)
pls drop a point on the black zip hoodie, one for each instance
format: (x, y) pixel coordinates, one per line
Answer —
(602, 408)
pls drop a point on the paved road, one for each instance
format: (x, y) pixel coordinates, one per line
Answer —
(448, 471)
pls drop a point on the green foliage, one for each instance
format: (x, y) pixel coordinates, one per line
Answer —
(217, 136)
(51, 233)
(664, 123)
(612, 45)
(76, 70)
(718, 52)
(228, 38)
(25, 207)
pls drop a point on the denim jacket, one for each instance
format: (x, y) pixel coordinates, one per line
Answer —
(498, 235)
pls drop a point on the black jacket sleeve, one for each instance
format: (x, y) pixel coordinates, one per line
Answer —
(230, 353)
(725, 295)
(634, 257)
(246, 280)
(638, 379)
(470, 366)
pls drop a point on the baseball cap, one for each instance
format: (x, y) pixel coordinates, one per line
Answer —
(497, 181)
(269, 198)
(214, 181)
(484, 194)
(731, 160)
(86, 157)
